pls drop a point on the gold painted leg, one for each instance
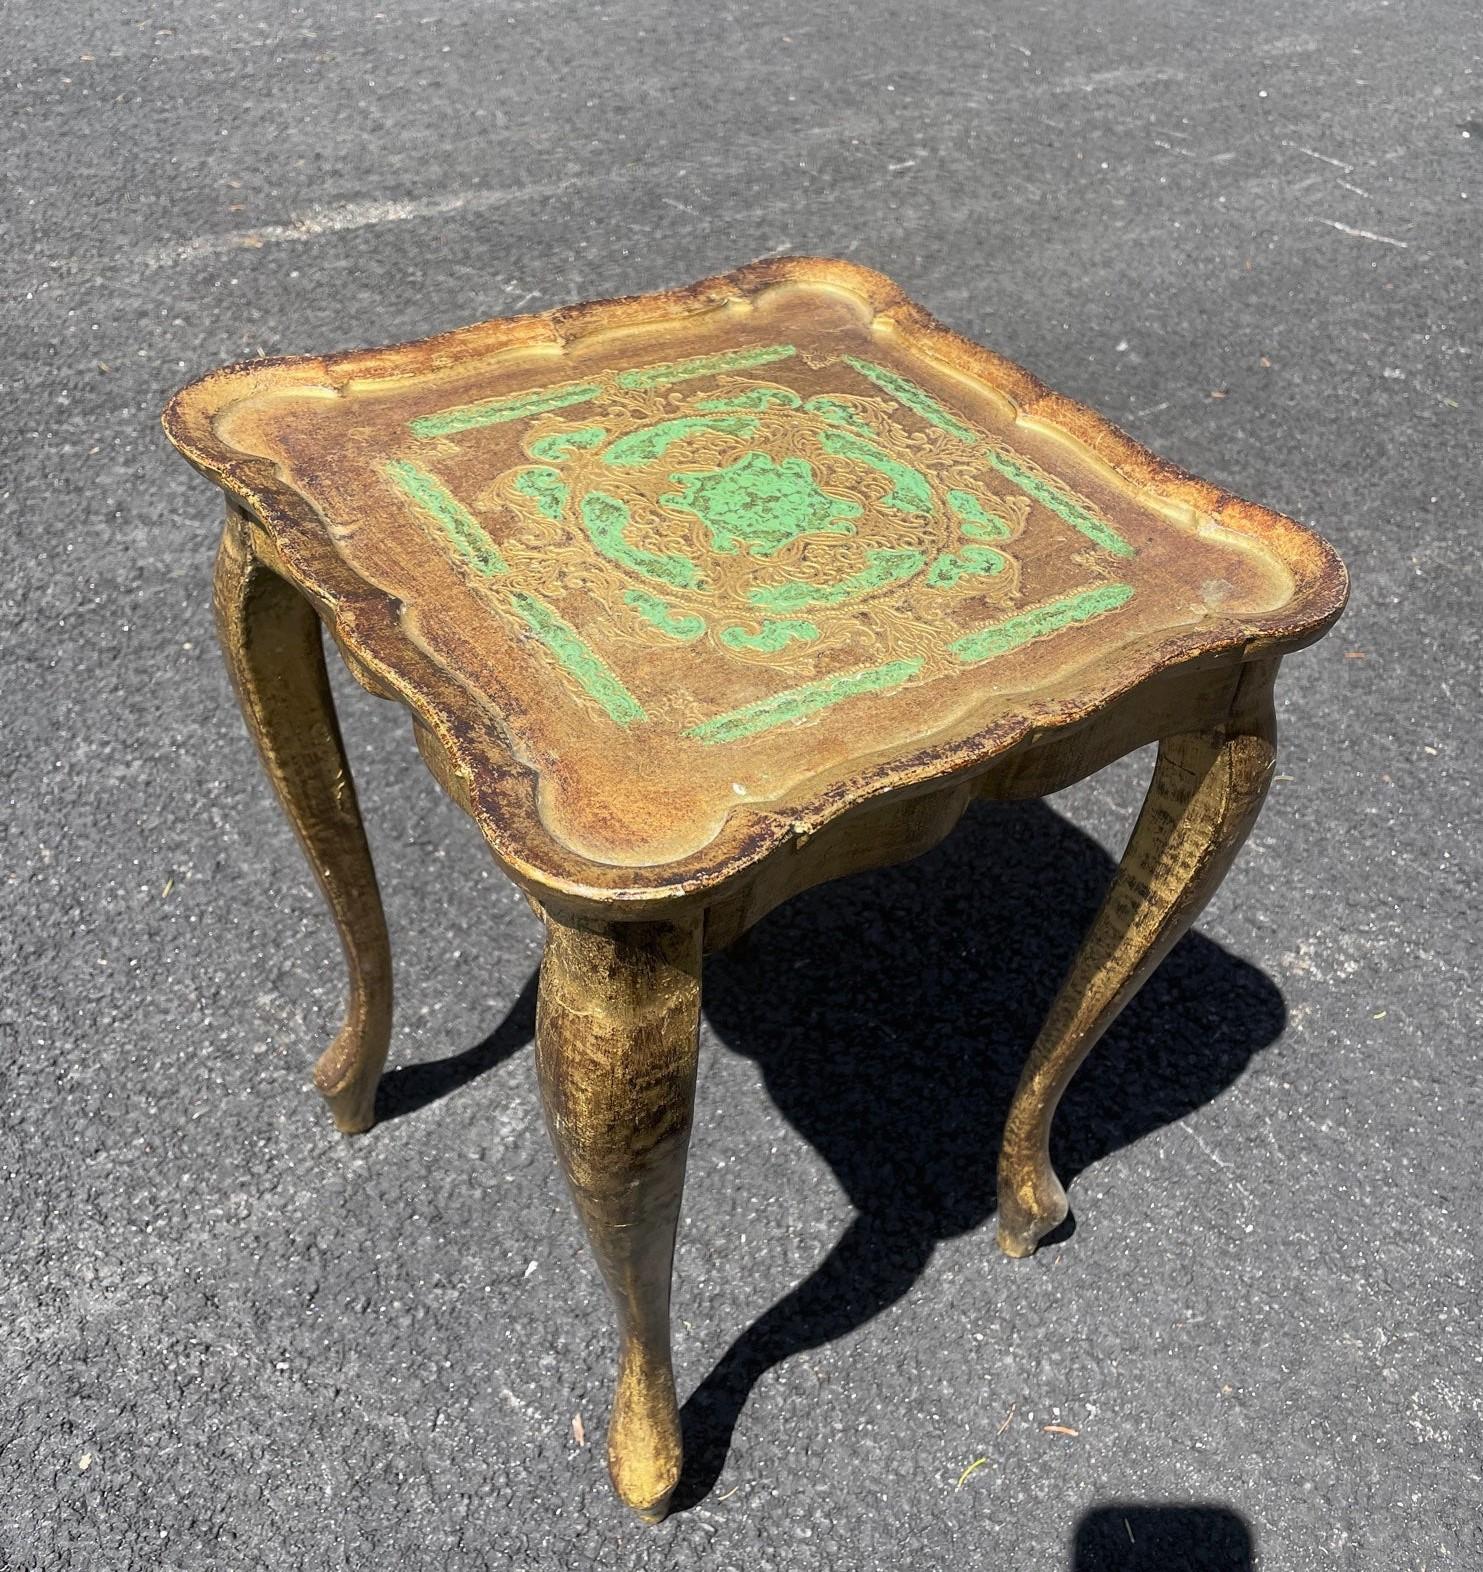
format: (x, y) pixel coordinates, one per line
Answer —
(1206, 792)
(270, 635)
(617, 1025)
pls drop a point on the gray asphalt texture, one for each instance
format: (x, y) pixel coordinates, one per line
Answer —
(231, 1339)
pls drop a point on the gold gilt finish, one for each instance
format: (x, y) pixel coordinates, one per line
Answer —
(698, 599)
(1207, 789)
(270, 636)
(617, 1034)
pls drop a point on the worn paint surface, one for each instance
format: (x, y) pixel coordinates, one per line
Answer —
(796, 703)
(491, 411)
(737, 546)
(658, 613)
(1041, 621)
(913, 397)
(594, 677)
(769, 475)
(670, 372)
(770, 637)
(760, 505)
(459, 527)
(1034, 482)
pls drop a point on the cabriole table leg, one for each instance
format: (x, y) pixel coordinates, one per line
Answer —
(270, 636)
(1206, 792)
(617, 1027)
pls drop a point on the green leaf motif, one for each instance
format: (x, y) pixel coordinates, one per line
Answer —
(838, 413)
(650, 442)
(462, 530)
(888, 566)
(491, 411)
(909, 491)
(1040, 621)
(577, 658)
(798, 703)
(953, 565)
(754, 398)
(771, 637)
(660, 614)
(672, 371)
(605, 519)
(544, 487)
(975, 519)
(914, 397)
(559, 445)
(1034, 483)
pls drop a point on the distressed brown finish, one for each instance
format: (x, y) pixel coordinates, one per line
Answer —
(1207, 789)
(617, 1036)
(584, 814)
(698, 599)
(270, 636)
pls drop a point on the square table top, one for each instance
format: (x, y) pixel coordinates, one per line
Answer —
(673, 576)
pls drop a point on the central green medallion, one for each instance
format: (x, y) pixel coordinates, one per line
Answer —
(760, 505)
(809, 546)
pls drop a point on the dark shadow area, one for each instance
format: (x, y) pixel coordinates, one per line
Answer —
(1131, 1537)
(890, 1015)
(413, 1086)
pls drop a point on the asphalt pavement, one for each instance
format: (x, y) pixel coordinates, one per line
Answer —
(232, 1339)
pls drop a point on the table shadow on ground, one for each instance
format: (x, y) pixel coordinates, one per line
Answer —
(889, 1015)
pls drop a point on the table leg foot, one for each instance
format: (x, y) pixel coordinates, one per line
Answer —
(353, 1107)
(1034, 1207)
(644, 1448)
(1206, 792)
(617, 1025)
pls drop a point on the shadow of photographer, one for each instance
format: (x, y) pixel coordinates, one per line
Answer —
(1129, 1536)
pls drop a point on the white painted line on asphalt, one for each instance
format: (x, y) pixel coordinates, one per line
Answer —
(342, 217)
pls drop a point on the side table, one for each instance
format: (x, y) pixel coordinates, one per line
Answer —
(697, 599)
